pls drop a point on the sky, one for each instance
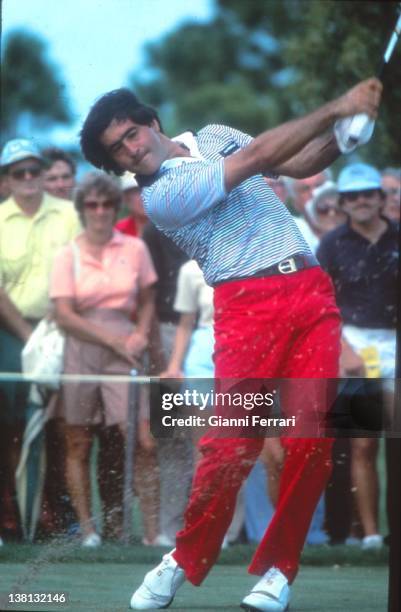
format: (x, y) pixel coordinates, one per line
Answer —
(96, 44)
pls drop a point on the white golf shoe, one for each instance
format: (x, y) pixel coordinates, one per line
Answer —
(270, 594)
(159, 585)
(372, 542)
(93, 540)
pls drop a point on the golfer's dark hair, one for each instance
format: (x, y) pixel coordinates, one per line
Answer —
(54, 154)
(119, 104)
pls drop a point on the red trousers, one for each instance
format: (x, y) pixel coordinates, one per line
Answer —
(285, 326)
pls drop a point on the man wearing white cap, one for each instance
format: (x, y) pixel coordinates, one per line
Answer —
(361, 256)
(33, 226)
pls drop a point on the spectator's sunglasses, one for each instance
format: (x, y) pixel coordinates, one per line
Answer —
(20, 173)
(394, 191)
(352, 196)
(325, 209)
(95, 204)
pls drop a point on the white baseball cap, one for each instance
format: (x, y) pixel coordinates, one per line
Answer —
(18, 149)
(358, 177)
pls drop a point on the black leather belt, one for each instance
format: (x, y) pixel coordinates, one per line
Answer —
(291, 264)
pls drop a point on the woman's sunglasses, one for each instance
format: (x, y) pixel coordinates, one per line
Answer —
(94, 204)
(325, 209)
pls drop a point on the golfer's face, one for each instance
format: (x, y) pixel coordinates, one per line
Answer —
(137, 148)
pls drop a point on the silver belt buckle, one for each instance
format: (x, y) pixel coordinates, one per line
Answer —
(287, 266)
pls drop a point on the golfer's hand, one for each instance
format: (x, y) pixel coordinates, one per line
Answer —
(363, 98)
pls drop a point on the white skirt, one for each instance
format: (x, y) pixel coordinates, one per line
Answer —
(377, 347)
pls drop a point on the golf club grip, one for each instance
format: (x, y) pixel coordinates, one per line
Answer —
(360, 123)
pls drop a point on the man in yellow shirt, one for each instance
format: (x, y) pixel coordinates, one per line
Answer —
(33, 226)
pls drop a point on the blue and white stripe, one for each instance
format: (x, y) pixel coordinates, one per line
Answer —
(229, 235)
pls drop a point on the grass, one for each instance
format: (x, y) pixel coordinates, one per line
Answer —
(108, 587)
(69, 551)
(331, 579)
(345, 578)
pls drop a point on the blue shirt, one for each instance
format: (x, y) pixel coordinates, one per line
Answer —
(232, 234)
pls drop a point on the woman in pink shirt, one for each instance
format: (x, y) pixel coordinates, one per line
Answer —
(97, 282)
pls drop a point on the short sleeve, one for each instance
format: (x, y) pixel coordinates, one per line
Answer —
(62, 283)
(240, 138)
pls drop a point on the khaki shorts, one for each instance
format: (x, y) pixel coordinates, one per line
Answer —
(99, 402)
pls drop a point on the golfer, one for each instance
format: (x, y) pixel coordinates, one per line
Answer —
(275, 313)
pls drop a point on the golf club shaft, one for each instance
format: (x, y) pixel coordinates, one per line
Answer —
(363, 122)
(391, 44)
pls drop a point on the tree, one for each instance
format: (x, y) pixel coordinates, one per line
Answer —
(205, 72)
(30, 84)
(257, 64)
(332, 45)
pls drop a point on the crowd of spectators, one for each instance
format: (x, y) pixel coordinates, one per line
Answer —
(127, 298)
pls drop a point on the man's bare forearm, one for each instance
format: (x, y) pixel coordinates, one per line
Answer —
(288, 142)
(317, 155)
(270, 150)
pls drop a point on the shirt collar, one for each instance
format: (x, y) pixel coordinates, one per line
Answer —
(189, 141)
(11, 209)
(390, 227)
(47, 205)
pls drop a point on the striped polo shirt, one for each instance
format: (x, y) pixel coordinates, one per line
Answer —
(230, 235)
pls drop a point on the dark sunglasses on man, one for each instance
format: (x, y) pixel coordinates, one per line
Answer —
(352, 196)
(20, 173)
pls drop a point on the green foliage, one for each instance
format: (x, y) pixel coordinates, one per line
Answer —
(228, 105)
(30, 83)
(211, 72)
(337, 44)
(259, 63)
